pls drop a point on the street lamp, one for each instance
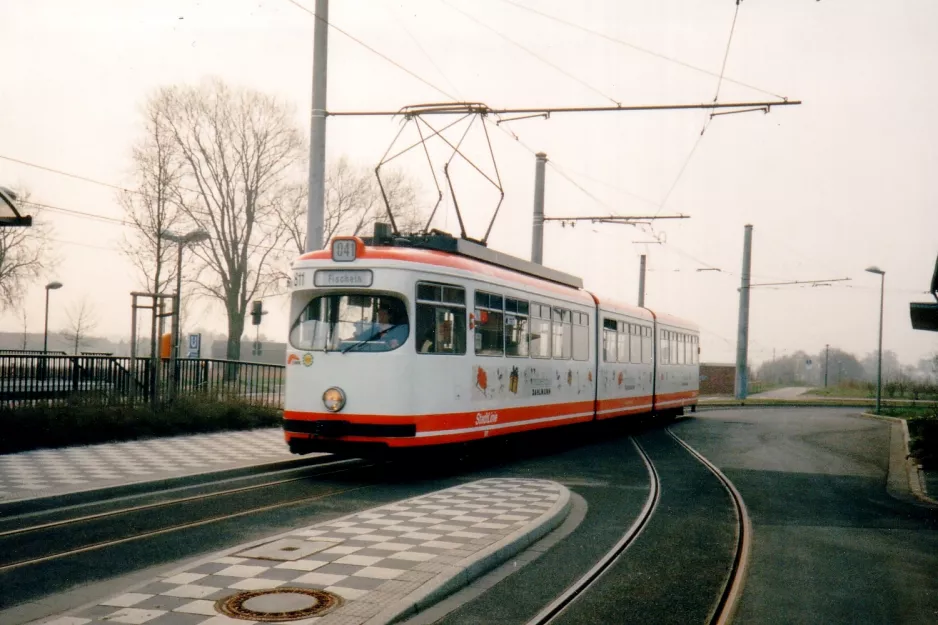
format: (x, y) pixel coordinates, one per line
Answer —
(45, 333)
(879, 359)
(182, 241)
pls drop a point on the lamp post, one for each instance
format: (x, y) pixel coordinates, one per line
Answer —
(181, 241)
(879, 358)
(45, 333)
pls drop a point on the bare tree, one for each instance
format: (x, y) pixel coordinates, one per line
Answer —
(152, 205)
(82, 320)
(236, 147)
(24, 254)
(353, 203)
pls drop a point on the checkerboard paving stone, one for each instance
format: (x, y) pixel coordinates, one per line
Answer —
(371, 559)
(45, 472)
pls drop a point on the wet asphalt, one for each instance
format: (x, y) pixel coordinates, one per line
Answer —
(673, 573)
(830, 545)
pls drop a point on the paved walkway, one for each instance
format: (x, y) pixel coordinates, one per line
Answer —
(48, 472)
(370, 567)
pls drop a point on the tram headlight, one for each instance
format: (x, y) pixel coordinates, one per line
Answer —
(334, 399)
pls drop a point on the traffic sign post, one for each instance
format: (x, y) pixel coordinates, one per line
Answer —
(195, 346)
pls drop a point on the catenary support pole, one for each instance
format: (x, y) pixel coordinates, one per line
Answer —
(742, 337)
(641, 282)
(537, 235)
(879, 358)
(315, 212)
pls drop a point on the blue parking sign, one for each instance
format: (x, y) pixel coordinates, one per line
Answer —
(195, 346)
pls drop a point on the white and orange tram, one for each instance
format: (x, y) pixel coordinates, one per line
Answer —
(440, 340)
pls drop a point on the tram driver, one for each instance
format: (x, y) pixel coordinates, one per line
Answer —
(389, 327)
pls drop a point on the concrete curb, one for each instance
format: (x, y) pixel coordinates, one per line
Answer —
(461, 574)
(913, 472)
(443, 581)
(776, 403)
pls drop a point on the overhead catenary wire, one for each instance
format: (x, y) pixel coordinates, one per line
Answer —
(638, 48)
(84, 178)
(708, 120)
(374, 51)
(77, 213)
(726, 54)
(390, 8)
(64, 173)
(554, 165)
(98, 217)
(680, 174)
(127, 224)
(540, 58)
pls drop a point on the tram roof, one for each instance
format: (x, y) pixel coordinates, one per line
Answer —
(466, 249)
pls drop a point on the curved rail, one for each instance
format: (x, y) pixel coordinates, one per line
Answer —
(726, 606)
(180, 526)
(171, 502)
(559, 604)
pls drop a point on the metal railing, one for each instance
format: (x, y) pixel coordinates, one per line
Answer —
(46, 379)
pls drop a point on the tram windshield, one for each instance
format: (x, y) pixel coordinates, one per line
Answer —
(351, 322)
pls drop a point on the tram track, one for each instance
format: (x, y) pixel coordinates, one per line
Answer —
(73, 536)
(307, 471)
(582, 585)
(725, 605)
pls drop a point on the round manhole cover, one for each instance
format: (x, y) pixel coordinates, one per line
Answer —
(278, 604)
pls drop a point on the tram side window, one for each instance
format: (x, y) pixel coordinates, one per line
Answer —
(647, 346)
(674, 345)
(609, 340)
(664, 354)
(563, 334)
(581, 336)
(696, 350)
(540, 331)
(516, 327)
(623, 342)
(489, 324)
(636, 344)
(441, 319)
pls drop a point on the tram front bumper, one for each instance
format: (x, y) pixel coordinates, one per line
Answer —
(334, 428)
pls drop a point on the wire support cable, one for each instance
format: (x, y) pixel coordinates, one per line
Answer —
(641, 49)
(540, 58)
(374, 51)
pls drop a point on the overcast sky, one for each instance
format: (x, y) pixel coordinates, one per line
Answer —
(839, 183)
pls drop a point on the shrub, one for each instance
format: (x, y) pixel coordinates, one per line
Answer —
(890, 388)
(923, 444)
(88, 420)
